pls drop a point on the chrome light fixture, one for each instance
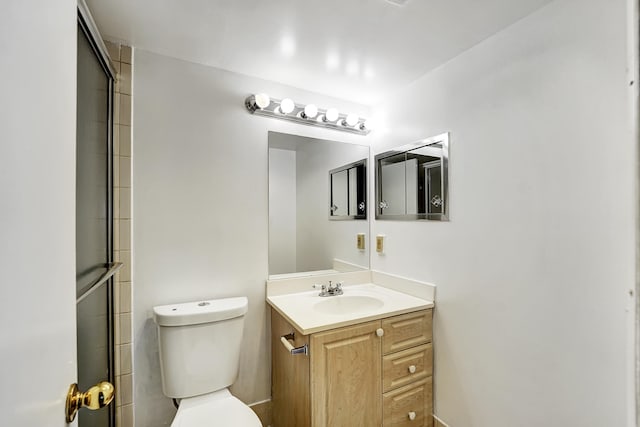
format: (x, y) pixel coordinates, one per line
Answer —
(286, 109)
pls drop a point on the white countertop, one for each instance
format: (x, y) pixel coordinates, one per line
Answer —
(303, 311)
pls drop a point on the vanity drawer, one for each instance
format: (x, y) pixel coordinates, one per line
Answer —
(405, 331)
(407, 366)
(412, 401)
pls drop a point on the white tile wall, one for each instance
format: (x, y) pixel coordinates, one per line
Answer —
(122, 233)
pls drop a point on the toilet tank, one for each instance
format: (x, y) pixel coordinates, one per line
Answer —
(199, 344)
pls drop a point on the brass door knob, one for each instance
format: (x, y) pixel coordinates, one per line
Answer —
(98, 396)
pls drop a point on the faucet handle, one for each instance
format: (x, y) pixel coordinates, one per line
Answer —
(323, 290)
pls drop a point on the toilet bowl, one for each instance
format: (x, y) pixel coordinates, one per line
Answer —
(199, 346)
(219, 408)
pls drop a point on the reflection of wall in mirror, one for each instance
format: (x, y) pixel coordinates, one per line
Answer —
(282, 211)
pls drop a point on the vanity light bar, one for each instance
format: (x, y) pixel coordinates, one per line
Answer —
(285, 109)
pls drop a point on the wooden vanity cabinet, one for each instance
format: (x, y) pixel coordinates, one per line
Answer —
(353, 377)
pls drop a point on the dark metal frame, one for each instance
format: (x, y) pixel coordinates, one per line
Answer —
(87, 25)
(364, 190)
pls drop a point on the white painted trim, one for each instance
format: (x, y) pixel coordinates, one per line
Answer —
(633, 307)
(84, 11)
(261, 402)
(440, 421)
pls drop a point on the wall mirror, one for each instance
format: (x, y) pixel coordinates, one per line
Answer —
(302, 237)
(412, 181)
(348, 191)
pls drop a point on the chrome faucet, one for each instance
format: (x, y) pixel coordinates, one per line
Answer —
(331, 290)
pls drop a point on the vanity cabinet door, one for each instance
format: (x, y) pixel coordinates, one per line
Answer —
(345, 372)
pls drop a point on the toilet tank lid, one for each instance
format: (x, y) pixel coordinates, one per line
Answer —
(194, 313)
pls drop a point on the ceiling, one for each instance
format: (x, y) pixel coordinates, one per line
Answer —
(353, 49)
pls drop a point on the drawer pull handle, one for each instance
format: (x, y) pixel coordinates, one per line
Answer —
(412, 415)
(380, 332)
(412, 369)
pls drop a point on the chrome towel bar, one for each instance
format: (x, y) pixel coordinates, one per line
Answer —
(290, 348)
(113, 268)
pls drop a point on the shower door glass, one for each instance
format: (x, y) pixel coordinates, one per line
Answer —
(93, 227)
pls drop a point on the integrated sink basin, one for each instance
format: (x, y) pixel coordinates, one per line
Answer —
(346, 304)
(310, 313)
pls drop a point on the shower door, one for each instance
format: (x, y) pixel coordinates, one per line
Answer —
(94, 231)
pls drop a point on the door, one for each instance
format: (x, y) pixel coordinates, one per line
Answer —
(37, 248)
(94, 254)
(346, 388)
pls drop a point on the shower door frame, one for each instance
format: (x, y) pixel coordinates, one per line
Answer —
(90, 30)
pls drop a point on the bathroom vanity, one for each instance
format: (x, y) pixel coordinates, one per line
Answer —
(371, 370)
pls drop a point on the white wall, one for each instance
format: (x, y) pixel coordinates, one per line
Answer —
(200, 208)
(282, 211)
(37, 218)
(534, 267)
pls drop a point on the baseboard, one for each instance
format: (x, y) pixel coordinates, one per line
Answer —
(263, 411)
(437, 422)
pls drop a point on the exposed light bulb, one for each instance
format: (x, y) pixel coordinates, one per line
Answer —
(310, 111)
(287, 105)
(331, 115)
(262, 100)
(351, 120)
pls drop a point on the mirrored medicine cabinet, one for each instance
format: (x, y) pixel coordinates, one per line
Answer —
(412, 181)
(348, 191)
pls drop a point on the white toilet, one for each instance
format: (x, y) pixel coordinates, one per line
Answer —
(199, 355)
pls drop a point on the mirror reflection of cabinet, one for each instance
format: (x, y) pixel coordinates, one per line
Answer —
(411, 181)
(348, 191)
